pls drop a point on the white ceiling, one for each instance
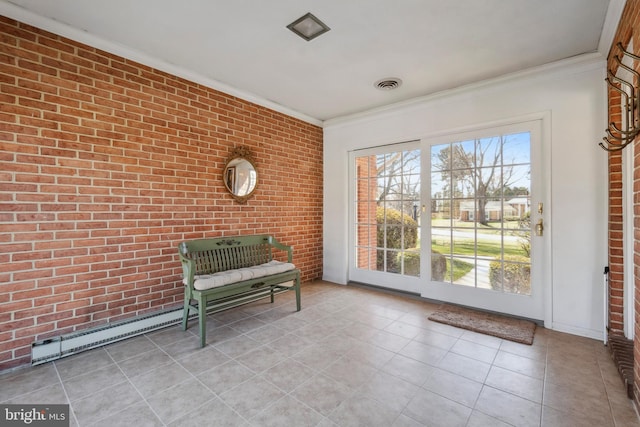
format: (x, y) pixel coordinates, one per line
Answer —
(243, 46)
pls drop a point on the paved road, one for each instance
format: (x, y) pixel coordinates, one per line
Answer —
(445, 232)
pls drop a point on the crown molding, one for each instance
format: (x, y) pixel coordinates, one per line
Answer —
(611, 21)
(23, 15)
(567, 66)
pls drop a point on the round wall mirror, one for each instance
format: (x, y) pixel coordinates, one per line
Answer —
(240, 175)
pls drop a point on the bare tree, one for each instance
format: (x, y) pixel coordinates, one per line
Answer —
(393, 170)
(478, 171)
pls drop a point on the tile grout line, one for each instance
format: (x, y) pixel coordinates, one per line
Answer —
(377, 363)
(216, 395)
(66, 395)
(132, 385)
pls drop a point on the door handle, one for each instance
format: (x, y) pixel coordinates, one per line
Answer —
(539, 228)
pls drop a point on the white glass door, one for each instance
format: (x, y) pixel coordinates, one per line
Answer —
(485, 202)
(453, 218)
(386, 216)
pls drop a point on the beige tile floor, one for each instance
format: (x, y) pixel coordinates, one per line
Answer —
(351, 357)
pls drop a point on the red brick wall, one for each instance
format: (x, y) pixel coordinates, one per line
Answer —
(366, 190)
(627, 31)
(106, 165)
(616, 256)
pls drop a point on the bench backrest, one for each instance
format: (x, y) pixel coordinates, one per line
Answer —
(227, 253)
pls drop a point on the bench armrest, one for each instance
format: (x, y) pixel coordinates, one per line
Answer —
(274, 242)
(188, 265)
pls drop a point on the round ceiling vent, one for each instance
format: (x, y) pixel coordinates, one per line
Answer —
(388, 83)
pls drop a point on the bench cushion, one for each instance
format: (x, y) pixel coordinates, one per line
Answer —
(208, 281)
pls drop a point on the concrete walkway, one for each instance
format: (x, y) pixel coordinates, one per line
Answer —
(482, 272)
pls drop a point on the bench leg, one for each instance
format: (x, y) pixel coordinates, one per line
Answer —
(185, 313)
(298, 293)
(202, 320)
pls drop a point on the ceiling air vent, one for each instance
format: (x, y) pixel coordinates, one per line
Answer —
(388, 83)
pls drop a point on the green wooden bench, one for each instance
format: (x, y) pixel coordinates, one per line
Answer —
(226, 272)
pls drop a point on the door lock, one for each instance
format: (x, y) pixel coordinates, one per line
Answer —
(539, 228)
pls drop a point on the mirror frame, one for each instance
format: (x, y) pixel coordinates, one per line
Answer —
(245, 154)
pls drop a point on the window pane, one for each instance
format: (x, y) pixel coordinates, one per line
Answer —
(462, 271)
(516, 148)
(516, 278)
(463, 242)
(365, 257)
(412, 262)
(365, 234)
(394, 262)
(480, 211)
(388, 212)
(380, 264)
(440, 160)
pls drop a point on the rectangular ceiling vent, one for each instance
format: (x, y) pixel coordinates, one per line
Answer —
(308, 27)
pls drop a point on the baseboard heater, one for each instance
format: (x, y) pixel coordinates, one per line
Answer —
(75, 342)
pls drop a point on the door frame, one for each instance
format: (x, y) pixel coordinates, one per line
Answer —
(541, 161)
(399, 282)
(545, 274)
(628, 219)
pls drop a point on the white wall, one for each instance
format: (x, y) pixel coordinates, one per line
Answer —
(571, 96)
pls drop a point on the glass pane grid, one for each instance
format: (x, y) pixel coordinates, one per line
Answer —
(387, 215)
(480, 212)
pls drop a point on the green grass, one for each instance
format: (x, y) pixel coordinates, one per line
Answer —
(467, 247)
(460, 268)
